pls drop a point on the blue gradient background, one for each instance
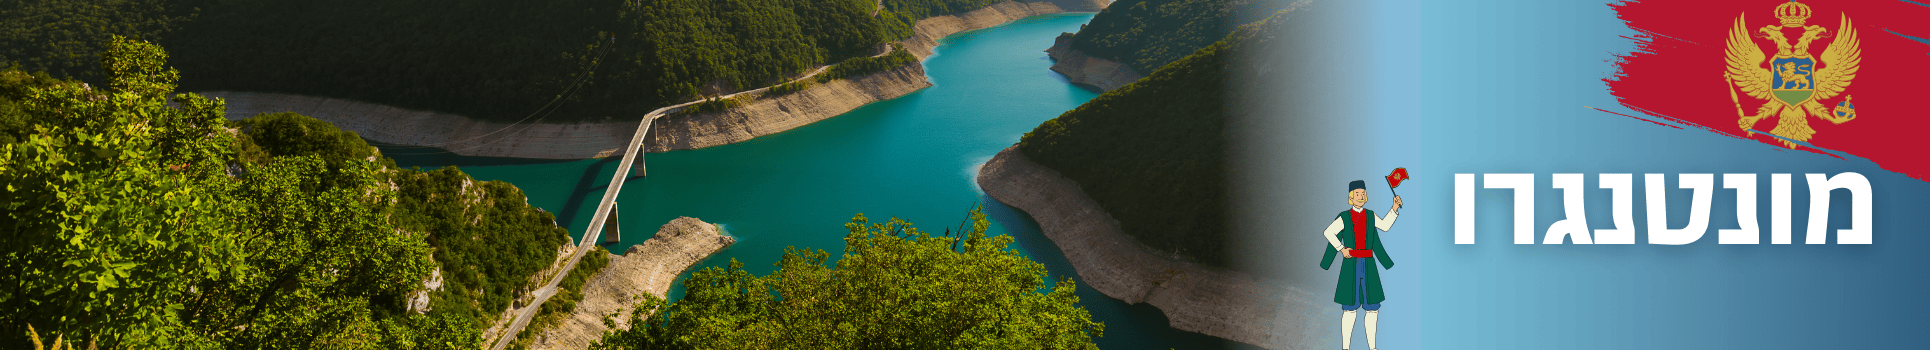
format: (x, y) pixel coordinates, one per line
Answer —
(1499, 87)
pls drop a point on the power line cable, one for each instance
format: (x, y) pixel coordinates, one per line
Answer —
(567, 91)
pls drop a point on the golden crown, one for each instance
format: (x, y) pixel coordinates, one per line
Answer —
(1793, 13)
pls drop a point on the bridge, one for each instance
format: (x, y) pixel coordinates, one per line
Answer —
(632, 156)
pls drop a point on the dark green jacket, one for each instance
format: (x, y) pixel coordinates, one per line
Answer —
(1344, 294)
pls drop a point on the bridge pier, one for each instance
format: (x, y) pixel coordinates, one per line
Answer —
(643, 148)
(613, 232)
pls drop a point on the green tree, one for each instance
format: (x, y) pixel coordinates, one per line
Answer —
(114, 206)
(291, 134)
(134, 223)
(16, 123)
(895, 287)
(321, 257)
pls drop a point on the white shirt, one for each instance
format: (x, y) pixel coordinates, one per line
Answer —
(1333, 230)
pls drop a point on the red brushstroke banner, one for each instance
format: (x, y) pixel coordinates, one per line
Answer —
(1683, 47)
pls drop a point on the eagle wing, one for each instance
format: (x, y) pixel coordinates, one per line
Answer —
(1840, 60)
(1745, 63)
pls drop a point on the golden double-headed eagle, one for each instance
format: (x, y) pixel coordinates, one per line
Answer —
(1792, 83)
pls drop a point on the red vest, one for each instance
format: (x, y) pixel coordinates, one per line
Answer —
(1360, 235)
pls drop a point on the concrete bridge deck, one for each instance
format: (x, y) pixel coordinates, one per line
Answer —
(632, 156)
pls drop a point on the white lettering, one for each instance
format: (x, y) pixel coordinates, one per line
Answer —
(1574, 226)
(1463, 208)
(1622, 188)
(1576, 222)
(1524, 186)
(1860, 205)
(1778, 208)
(1658, 208)
(1746, 232)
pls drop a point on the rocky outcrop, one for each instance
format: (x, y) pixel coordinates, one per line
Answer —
(419, 302)
(649, 267)
(1082, 69)
(1225, 304)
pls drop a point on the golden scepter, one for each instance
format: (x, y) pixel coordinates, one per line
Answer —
(1732, 98)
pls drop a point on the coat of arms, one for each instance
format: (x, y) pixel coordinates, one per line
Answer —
(1793, 83)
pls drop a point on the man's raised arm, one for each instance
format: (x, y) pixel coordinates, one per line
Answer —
(1384, 224)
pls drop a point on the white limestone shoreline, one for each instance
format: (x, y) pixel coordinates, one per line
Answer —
(1226, 304)
(1086, 70)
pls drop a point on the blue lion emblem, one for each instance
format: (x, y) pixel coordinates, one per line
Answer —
(1793, 73)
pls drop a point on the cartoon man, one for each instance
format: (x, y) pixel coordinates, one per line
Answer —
(1355, 236)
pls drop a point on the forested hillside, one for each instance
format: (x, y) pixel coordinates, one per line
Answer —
(133, 224)
(1154, 153)
(1147, 34)
(557, 61)
(64, 37)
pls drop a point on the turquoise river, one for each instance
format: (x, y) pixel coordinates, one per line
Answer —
(913, 157)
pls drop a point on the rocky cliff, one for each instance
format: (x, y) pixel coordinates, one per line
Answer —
(649, 267)
(1086, 70)
(1226, 304)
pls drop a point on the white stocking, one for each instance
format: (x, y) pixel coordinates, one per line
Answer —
(1347, 329)
(1373, 326)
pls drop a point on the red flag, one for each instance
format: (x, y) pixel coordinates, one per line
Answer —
(1394, 179)
(1778, 66)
